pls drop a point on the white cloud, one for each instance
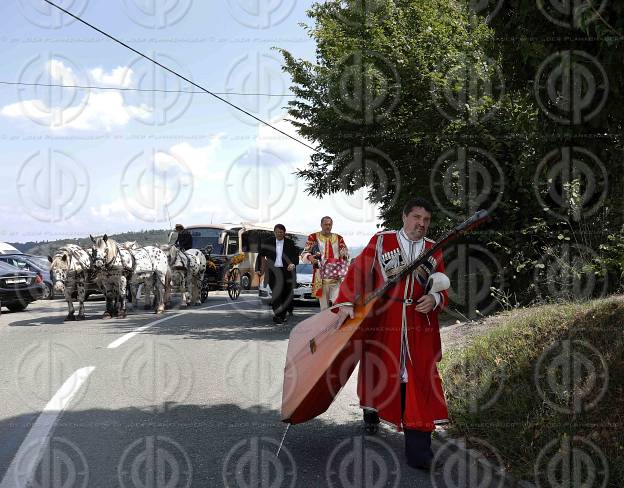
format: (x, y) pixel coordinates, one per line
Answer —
(200, 160)
(87, 110)
(122, 77)
(96, 110)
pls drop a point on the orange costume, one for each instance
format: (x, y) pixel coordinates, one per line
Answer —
(400, 347)
(329, 247)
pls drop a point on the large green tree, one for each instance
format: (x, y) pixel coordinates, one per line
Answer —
(469, 109)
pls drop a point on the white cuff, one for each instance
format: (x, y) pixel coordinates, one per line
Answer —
(436, 296)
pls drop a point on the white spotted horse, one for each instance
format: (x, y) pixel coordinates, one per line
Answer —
(150, 268)
(70, 269)
(113, 266)
(187, 270)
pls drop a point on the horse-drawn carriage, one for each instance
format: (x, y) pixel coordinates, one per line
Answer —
(221, 273)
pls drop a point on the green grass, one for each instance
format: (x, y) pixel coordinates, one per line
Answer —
(492, 393)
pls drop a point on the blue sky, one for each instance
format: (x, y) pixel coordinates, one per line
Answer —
(80, 161)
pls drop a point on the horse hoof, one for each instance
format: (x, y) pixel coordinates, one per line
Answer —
(121, 315)
(81, 317)
(70, 318)
(107, 316)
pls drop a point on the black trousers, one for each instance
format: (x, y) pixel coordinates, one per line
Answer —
(417, 442)
(282, 283)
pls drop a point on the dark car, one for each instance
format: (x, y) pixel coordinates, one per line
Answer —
(19, 287)
(32, 263)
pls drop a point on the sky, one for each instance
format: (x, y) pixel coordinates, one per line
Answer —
(79, 161)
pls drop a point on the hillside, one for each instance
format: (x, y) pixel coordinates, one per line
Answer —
(538, 385)
(47, 248)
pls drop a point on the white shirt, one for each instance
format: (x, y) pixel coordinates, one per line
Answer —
(411, 249)
(279, 250)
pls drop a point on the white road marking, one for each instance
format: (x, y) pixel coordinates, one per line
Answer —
(118, 342)
(22, 469)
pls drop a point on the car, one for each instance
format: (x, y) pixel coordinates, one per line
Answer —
(32, 263)
(19, 287)
(302, 291)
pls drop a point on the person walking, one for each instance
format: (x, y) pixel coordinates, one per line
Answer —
(278, 257)
(329, 256)
(398, 379)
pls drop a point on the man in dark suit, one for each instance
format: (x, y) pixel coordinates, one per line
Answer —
(185, 240)
(278, 256)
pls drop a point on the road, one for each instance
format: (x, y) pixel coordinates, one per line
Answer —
(189, 398)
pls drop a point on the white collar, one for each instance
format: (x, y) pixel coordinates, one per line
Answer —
(403, 235)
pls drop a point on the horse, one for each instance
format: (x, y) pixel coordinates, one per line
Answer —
(113, 266)
(187, 270)
(150, 268)
(70, 268)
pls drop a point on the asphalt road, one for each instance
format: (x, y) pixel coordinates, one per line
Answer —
(189, 398)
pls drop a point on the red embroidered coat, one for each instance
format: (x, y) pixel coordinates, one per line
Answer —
(381, 347)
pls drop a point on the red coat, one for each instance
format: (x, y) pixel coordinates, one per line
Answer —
(379, 374)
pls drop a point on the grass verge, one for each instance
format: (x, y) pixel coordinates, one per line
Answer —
(544, 388)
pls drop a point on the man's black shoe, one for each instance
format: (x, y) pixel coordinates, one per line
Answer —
(371, 421)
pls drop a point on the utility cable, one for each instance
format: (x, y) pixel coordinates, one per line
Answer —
(118, 41)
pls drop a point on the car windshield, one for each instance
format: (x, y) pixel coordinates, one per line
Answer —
(304, 268)
(207, 236)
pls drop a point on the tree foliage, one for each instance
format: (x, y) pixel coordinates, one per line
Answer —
(515, 109)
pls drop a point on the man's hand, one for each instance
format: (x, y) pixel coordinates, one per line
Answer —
(346, 311)
(425, 304)
(290, 267)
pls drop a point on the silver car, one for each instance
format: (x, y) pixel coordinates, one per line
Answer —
(302, 291)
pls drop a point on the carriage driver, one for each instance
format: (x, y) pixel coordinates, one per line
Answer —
(184, 242)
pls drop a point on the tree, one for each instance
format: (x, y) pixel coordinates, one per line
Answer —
(424, 97)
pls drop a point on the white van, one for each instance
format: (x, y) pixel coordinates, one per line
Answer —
(8, 249)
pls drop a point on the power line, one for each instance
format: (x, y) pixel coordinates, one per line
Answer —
(111, 37)
(121, 88)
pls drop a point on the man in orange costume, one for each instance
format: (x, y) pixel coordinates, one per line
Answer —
(320, 247)
(398, 379)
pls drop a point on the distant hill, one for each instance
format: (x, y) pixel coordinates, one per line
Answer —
(47, 248)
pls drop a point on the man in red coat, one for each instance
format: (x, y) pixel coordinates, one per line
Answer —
(398, 379)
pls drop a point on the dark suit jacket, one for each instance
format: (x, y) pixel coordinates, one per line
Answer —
(290, 253)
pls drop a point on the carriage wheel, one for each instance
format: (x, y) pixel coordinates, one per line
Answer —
(234, 284)
(203, 295)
